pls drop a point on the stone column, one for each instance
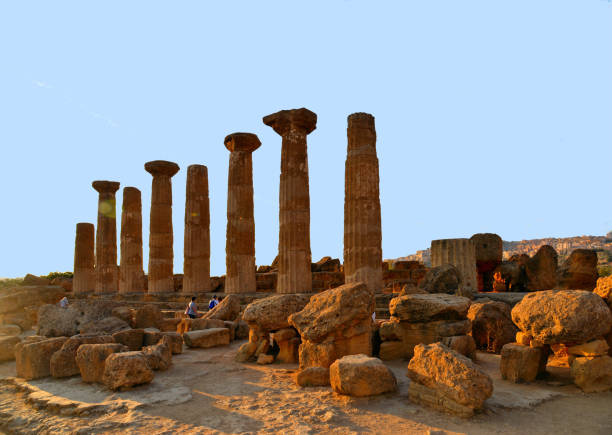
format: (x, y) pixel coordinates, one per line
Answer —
(107, 273)
(84, 279)
(161, 255)
(294, 264)
(461, 253)
(196, 265)
(362, 227)
(131, 274)
(240, 238)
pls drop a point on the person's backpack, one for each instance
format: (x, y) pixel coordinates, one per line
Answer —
(211, 305)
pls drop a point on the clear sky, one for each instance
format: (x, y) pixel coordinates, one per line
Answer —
(492, 116)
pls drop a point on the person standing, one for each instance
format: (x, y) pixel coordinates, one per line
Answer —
(192, 309)
(213, 302)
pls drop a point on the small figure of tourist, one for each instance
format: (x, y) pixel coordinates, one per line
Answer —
(213, 302)
(63, 303)
(192, 309)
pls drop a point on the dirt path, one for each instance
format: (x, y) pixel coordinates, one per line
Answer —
(205, 391)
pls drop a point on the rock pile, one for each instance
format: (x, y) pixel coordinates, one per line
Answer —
(425, 318)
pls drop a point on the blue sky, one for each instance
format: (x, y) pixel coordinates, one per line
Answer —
(492, 116)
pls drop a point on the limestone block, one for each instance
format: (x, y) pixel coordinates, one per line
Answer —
(207, 338)
(592, 348)
(246, 352)
(427, 307)
(90, 359)
(289, 351)
(228, 309)
(147, 316)
(108, 325)
(593, 375)
(175, 341)
(390, 350)
(10, 330)
(463, 344)
(33, 359)
(132, 338)
(159, 356)
(521, 363)
(63, 363)
(7, 347)
(360, 375)
(313, 377)
(492, 325)
(126, 369)
(316, 354)
(272, 313)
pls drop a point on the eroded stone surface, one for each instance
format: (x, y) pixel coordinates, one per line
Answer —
(90, 359)
(131, 274)
(106, 271)
(360, 375)
(126, 369)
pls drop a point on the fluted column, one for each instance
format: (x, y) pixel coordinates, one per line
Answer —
(461, 253)
(131, 274)
(107, 273)
(362, 227)
(294, 255)
(84, 279)
(240, 237)
(196, 265)
(161, 255)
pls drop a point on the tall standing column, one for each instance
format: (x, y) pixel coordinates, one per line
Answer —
(161, 255)
(362, 227)
(461, 253)
(84, 259)
(240, 237)
(196, 265)
(107, 273)
(294, 255)
(131, 274)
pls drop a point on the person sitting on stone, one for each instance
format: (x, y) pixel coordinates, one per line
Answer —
(213, 302)
(192, 309)
(63, 303)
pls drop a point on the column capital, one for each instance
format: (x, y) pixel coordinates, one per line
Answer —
(360, 120)
(248, 142)
(161, 167)
(294, 119)
(103, 186)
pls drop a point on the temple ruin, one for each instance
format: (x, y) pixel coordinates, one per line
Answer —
(107, 273)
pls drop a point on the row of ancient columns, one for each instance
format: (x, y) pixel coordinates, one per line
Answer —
(362, 221)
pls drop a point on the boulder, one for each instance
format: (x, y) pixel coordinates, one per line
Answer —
(579, 271)
(463, 344)
(125, 314)
(592, 375)
(54, 321)
(35, 280)
(90, 359)
(10, 330)
(207, 337)
(63, 363)
(604, 289)
(361, 375)
(132, 338)
(228, 309)
(333, 310)
(541, 269)
(151, 336)
(264, 359)
(313, 377)
(33, 360)
(159, 356)
(423, 308)
(522, 363)
(272, 313)
(591, 349)
(492, 325)
(108, 325)
(7, 347)
(446, 380)
(126, 369)
(147, 316)
(441, 279)
(562, 316)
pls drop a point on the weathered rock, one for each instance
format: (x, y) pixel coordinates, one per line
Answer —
(228, 309)
(63, 363)
(33, 359)
(242, 329)
(198, 324)
(604, 289)
(10, 330)
(579, 271)
(489, 252)
(132, 338)
(451, 377)
(54, 321)
(108, 325)
(246, 352)
(441, 279)
(492, 325)
(126, 369)
(463, 344)
(592, 349)
(565, 316)
(522, 363)
(317, 354)
(334, 310)
(390, 350)
(523, 338)
(541, 269)
(207, 338)
(272, 313)
(313, 377)
(90, 359)
(360, 375)
(151, 336)
(20, 297)
(35, 280)
(461, 253)
(159, 356)
(147, 316)
(169, 325)
(593, 375)
(124, 313)
(422, 308)
(264, 359)
(7, 347)
(175, 341)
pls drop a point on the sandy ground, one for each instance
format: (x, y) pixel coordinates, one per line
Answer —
(205, 391)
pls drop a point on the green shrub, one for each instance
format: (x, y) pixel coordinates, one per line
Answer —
(53, 275)
(605, 270)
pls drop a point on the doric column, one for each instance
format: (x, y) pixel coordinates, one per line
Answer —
(240, 237)
(161, 255)
(461, 253)
(84, 279)
(362, 227)
(196, 265)
(131, 274)
(294, 264)
(107, 273)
